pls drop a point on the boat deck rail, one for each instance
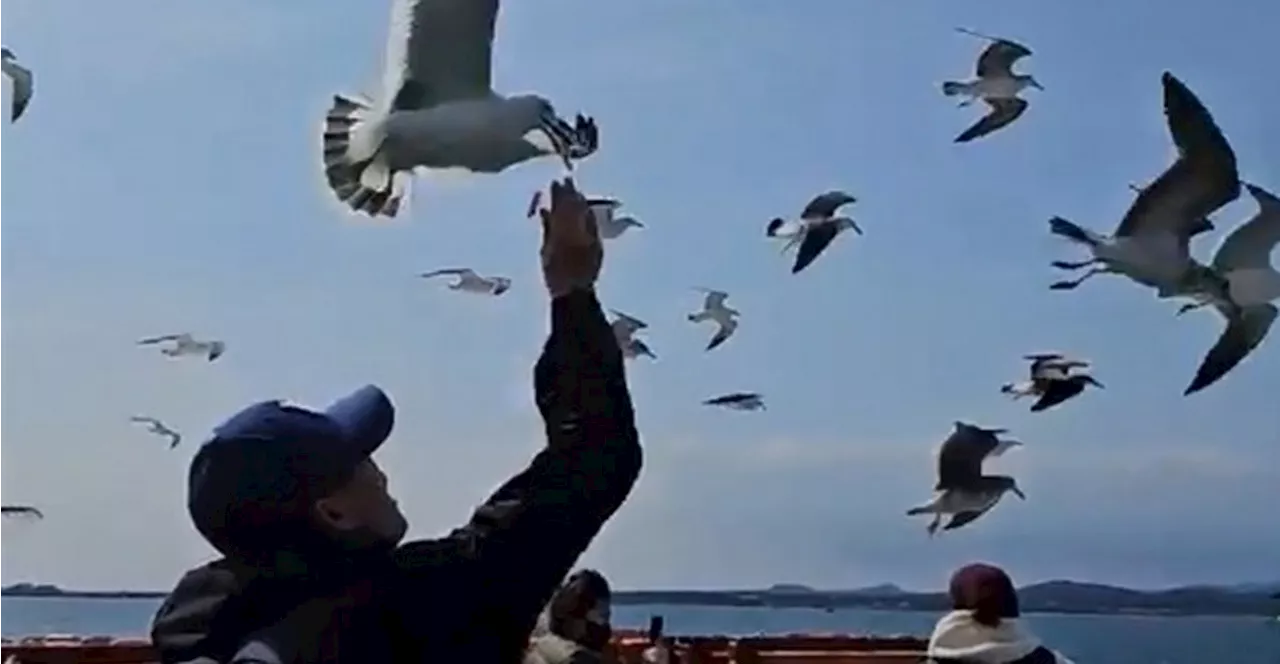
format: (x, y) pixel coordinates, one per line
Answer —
(628, 648)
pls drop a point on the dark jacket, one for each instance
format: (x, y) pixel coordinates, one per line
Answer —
(473, 595)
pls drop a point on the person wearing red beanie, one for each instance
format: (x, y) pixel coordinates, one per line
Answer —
(983, 626)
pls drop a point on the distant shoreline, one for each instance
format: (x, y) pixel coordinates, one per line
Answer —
(1061, 597)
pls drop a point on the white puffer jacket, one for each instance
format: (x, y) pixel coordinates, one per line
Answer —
(958, 636)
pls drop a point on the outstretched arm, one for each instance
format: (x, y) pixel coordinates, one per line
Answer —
(506, 563)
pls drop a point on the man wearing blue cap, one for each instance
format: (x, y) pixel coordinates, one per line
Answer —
(313, 567)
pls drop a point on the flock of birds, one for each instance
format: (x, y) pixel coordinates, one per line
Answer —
(437, 110)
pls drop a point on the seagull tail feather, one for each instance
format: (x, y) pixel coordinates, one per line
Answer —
(953, 88)
(356, 171)
(1060, 226)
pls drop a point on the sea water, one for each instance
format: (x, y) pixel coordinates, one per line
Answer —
(1089, 639)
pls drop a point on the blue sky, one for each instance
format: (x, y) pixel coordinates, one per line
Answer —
(167, 178)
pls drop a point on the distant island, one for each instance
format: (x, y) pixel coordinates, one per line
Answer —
(1049, 597)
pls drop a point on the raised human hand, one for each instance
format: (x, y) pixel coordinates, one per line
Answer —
(571, 248)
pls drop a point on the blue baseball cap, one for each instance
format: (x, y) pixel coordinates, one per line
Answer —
(264, 467)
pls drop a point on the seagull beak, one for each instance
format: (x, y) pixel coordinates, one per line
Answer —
(1036, 84)
(1018, 492)
(1096, 383)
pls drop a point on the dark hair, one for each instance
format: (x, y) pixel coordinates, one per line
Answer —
(986, 591)
(580, 593)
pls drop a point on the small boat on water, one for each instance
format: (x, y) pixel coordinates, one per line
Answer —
(628, 647)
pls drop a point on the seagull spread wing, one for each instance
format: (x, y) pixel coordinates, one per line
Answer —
(1202, 179)
(727, 328)
(1003, 111)
(146, 420)
(815, 240)
(715, 299)
(164, 338)
(823, 206)
(438, 51)
(21, 510)
(960, 459)
(1244, 332)
(451, 271)
(1250, 245)
(997, 59)
(23, 87)
(630, 323)
(1057, 392)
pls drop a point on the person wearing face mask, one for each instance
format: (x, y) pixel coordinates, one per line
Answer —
(313, 569)
(576, 623)
(984, 626)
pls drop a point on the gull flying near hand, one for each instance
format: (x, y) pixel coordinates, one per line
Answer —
(964, 492)
(996, 84)
(157, 427)
(738, 401)
(815, 229)
(714, 309)
(438, 110)
(185, 344)
(1248, 285)
(23, 83)
(470, 282)
(1051, 380)
(624, 330)
(11, 511)
(1152, 244)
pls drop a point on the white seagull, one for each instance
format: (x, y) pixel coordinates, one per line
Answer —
(996, 85)
(23, 83)
(624, 330)
(714, 309)
(185, 344)
(815, 229)
(962, 490)
(470, 282)
(610, 226)
(1249, 284)
(438, 110)
(1152, 244)
(738, 401)
(157, 427)
(1052, 380)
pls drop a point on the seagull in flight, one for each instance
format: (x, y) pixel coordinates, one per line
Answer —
(1051, 380)
(185, 344)
(1243, 263)
(996, 85)
(23, 83)
(11, 511)
(815, 229)
(624, 330)
(1152, 244)
(470, 282)
(738, 401)
(714, 309)
(963, 491)
(157, 427)
(438, 110)
(609, 225)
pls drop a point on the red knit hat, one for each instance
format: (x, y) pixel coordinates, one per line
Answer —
(987, 591)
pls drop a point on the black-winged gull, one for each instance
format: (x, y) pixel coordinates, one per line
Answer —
(963, 491)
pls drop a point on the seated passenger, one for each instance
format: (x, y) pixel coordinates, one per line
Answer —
(576, 624)
(984, 628)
